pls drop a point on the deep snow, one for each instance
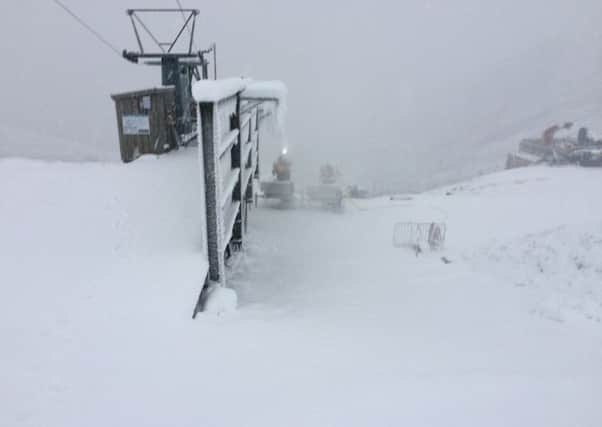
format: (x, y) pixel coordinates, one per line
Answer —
(101, 265)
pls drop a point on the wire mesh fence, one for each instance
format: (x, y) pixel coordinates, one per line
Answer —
(419, 234)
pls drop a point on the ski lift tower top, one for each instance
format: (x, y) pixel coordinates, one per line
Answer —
(178, 59)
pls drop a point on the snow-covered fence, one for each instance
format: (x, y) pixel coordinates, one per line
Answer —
(229, 113)
(415, 234)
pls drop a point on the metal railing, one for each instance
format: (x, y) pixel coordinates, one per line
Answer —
(417, 234)
(229, 156)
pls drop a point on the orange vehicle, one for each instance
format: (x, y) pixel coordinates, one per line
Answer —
(548, 134)
(282, 168)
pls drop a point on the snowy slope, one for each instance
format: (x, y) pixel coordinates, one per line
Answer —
(562, 267)
(19, 142)
(487, 153)
(547, 236)
(100, 266)
(89, 254)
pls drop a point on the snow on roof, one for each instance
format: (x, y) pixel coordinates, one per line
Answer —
(216, 90)
(266, 90)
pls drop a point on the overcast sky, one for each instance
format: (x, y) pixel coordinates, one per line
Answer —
(380, 87)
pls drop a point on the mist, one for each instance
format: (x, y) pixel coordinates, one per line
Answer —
(397, 94)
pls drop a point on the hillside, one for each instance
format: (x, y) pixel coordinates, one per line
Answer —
(101, 265)
(41, 145)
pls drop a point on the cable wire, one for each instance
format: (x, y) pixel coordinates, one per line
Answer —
(87, 27)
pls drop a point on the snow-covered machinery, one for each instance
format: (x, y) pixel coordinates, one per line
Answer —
(583, 150)
(329, 193)
(587, 156)
(357, 192)
(415, 235)
(280, 187)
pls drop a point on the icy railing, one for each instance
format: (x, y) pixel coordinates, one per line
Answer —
(229, 112)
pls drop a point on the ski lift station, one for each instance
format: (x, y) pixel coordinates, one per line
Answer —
(221, 116)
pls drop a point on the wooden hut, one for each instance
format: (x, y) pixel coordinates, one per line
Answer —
(146, 122)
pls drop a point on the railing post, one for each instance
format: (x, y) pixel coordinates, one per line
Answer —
(237, 162)
(257, 148)
(215, 252)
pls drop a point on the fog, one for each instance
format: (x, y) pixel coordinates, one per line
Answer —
(395, 93)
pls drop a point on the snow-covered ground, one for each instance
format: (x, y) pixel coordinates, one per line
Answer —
(101, 265)
(40, 144)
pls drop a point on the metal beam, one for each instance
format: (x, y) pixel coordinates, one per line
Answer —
(136, 32)
(180, 33)
(215, 253)
(148, 31)
(164, 55)
(192, 35)
(130, 11)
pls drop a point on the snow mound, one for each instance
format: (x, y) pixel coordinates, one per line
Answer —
(220, 300)
(563, 266)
